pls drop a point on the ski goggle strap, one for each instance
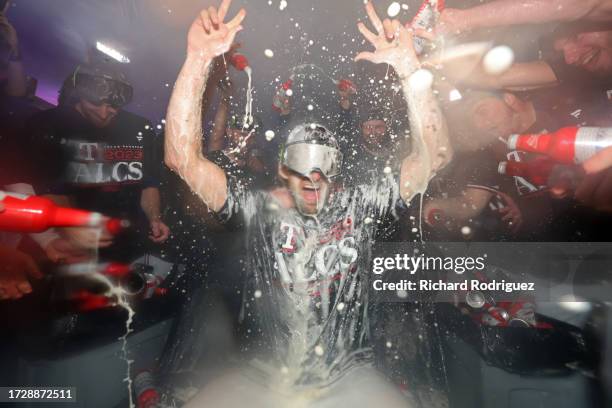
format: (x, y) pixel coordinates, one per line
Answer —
(304, 158)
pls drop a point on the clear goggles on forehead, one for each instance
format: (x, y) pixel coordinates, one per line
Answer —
(304, 158)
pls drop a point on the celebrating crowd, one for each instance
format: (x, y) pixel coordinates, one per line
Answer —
(448, 149)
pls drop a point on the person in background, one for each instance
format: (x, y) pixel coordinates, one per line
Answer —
(596, 188)
(233, 144)
(498, 13)
(16, 270)
(12, 75)
(99, 157)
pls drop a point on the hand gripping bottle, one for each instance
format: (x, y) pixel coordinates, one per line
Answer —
(567, 145)
(36, 214)
(426, 18)
(240, 62)
(346, 85)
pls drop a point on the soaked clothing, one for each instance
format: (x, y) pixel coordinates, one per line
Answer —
(308, 278)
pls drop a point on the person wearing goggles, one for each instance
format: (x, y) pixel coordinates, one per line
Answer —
(97, 156)
(310, 160)
(99, 91)
(309, 240)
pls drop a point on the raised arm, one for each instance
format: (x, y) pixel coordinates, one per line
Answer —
(208, 38)
(512, 12)
(430, 146)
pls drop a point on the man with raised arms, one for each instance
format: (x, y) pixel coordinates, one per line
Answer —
(310, 239)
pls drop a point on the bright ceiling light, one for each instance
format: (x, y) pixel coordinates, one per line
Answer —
(111, 52)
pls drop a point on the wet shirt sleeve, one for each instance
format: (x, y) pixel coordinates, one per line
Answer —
(240, 206)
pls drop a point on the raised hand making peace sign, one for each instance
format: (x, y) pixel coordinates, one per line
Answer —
(393, 43)
(209, 36)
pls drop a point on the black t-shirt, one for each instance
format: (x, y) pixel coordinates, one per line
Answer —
(100, 169)
(14, 164)
(590, 90)
(308, 277)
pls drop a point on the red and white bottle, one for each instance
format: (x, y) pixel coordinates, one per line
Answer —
(567, 145)
(147, 395)
(537, 171)
(36, 214)
(111, 269)
(240, 62)
(425, 19)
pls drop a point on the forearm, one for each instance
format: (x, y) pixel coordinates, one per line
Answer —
(430, 145)
(512, 12)
(519, 77)
(183, 144)
(150, 203)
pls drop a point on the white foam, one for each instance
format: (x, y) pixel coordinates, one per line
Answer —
(498, 60)
(394, 9)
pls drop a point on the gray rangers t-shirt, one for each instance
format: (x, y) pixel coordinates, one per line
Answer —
(308, 277)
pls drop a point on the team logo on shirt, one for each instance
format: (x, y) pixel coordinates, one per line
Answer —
(304, 260)
(97, 163)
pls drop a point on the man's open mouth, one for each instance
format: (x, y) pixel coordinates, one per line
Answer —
(310, 193)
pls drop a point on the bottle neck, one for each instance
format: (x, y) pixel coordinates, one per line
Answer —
(70, 217)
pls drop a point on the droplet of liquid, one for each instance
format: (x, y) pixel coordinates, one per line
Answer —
(394, 9)
(498, 60)
(257, 294)
(389, 344)
(340, 306)
(310, 107)
(269, 53)
(421, 80)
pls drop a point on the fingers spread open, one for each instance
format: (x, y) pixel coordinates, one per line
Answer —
(205, 20)
(367, 56)
(370, 36)
(214, 18)
(225, 4)
(378, 25)
(388, 27)
(237, 20)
